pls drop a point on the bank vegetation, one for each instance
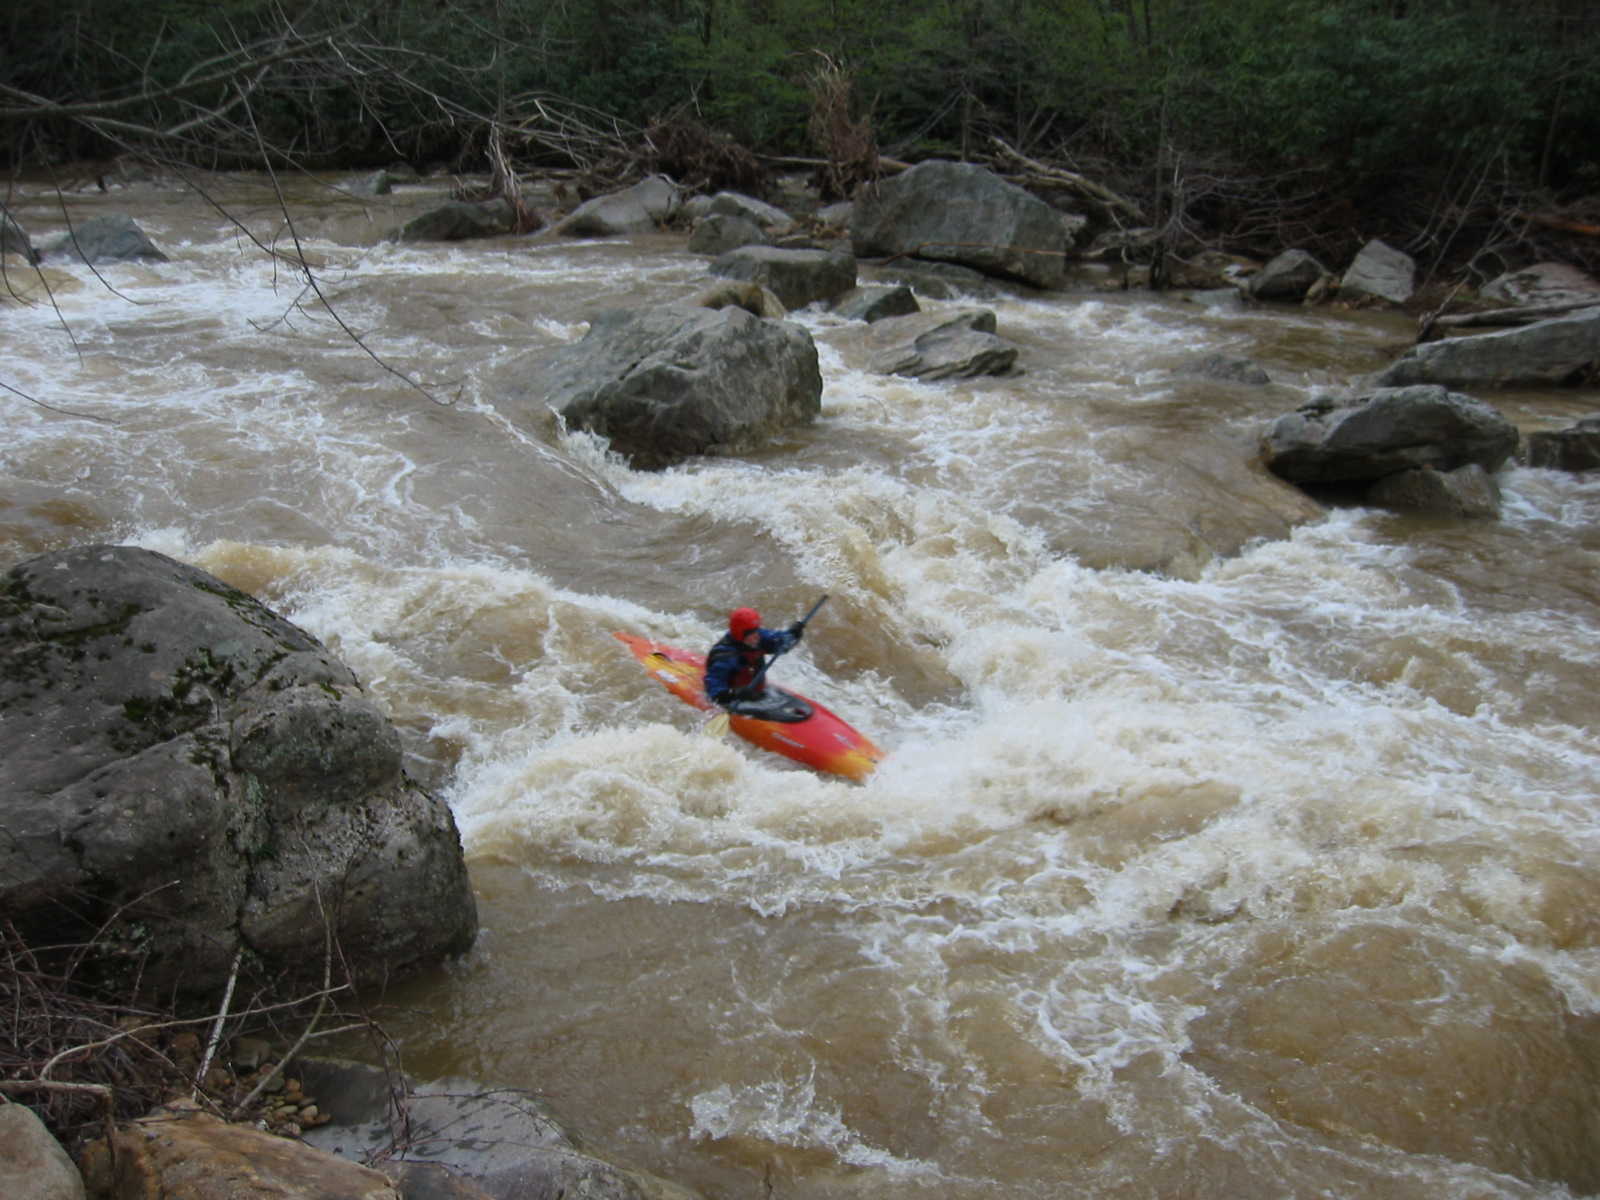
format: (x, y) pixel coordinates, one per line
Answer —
(1461, 131)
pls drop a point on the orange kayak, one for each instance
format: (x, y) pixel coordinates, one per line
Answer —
(804, 731)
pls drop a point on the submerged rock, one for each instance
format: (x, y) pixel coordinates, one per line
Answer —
(939, 345)
(114, 237)
(1576, 448)
(459, 220)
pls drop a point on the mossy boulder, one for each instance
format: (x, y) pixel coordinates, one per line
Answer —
(185, 775)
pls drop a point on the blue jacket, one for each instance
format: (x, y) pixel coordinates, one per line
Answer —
(731, 665)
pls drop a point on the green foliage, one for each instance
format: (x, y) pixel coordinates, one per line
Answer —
(1368, 87)
(1338, 84)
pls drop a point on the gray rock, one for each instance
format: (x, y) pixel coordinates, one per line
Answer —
(875, 302)
(642, 208)
(836, 216)
(941, 280)
(1576, 448)
(178, 757)
(460, 220)
(1330, 441)
(673, 381)
(964, 213)
(940, 345)
(1382, 272)
(1467, 491)
(114, 237)
(759, 213)
(719, 233)
(1541, 284)
(450, 1135)
(1556, 351)
(1289, 276)
(796, 277)
(1227, 368)
(32, 1162)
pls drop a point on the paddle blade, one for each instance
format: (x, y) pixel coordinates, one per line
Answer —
(717, 726)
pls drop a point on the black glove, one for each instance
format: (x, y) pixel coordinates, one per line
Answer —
(796, 630)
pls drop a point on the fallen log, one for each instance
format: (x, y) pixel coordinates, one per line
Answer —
(1096, 193)
(1565, 224)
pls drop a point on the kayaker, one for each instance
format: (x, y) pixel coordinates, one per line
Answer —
(734, 665)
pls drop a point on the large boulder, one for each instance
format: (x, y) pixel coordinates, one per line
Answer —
(1557, 351)
(677, 380)
(1380, 272)
(1367, 437)
(186, 776)
(642, 208)
(796, 277)
(112, 238)
(964, 213)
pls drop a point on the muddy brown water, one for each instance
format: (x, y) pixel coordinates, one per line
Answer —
(1270, 872)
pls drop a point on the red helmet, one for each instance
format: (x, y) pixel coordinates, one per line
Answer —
(741, 621)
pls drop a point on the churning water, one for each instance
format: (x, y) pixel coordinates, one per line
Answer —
(1226, 848)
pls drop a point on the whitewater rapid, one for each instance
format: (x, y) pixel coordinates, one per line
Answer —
(1225, 846)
